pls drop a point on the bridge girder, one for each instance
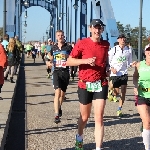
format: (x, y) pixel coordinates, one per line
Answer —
(74, 22)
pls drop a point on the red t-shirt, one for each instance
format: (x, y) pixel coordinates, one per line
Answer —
(86, 48)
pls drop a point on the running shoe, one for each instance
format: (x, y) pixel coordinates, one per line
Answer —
(57, 119)
(110, 96)
(60, 112)
(48, 76)
(79, 145)
(115, 99)
(119, 113)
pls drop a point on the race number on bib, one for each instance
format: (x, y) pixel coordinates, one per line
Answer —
(61, 63)
(94, 86)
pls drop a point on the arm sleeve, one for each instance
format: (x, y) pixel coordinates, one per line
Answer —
(110, 56)
(112, 62)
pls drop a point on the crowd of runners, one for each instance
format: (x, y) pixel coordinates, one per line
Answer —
(102, 73)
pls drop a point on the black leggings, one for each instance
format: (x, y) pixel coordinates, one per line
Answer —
(1, 87)
(73, 70)
(43, 54)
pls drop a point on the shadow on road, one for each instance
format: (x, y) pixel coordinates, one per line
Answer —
(16, 132)
(123, 144)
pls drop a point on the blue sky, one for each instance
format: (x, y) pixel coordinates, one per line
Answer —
(125, 11)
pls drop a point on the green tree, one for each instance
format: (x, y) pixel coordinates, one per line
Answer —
(132, 34)
(135, 36)
(120, 27)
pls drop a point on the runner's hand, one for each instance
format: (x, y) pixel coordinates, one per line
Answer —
(134, 64)
(114, 70)
(90, 61)
(135, 91)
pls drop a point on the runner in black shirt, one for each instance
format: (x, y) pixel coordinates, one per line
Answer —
(59, 54)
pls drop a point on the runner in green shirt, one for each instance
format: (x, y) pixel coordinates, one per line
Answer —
(141, 81)
(29, 47)
(43, 50)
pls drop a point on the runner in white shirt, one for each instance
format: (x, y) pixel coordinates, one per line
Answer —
(120, 58)
(39, 49)
(36, 45)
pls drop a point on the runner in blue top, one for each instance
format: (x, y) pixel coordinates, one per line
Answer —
(47, 58)
(5, 41)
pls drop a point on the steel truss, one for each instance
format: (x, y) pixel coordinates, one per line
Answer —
(72, 16)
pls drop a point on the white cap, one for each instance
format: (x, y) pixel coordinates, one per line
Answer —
(49, 39)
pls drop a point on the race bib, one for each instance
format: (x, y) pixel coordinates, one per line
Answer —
(94, 86)
(61, 63)
(60, 60)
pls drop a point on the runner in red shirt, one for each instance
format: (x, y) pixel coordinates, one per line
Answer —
(91, 54)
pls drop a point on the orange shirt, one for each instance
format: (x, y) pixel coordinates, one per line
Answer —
(3, 63)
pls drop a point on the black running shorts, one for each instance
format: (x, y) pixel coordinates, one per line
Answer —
(61, 79)
(118, 81)
(143, 101)
(86, 97)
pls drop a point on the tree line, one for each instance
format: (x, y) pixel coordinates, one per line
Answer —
(132, 34)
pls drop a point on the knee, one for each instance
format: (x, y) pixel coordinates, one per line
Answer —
(84, 118)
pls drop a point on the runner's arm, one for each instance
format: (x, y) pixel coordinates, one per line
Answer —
(75, 61)
(110, 60)
(110, 57)
(136, 75)
(50, 54)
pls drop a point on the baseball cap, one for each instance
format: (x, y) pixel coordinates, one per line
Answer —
(49, 39)
(95, 22)
(121, 36)
(147, 48)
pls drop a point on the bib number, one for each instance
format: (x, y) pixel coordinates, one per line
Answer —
(61, 63)
(94, 86)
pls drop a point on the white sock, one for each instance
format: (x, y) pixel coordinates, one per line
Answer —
(97, 148)
(79, 137)
(146, 138)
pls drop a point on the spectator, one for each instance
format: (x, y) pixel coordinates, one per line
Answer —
(13, 58)
(3, 64)
(5, 41)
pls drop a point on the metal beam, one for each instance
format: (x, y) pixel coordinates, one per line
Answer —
(140, 51)
(70, 16)
(4, 17)
(83, 19)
